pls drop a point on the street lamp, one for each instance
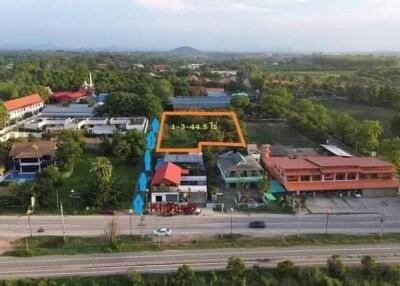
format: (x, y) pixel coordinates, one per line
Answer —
(231, 210)
(130, 221)
(29, 212)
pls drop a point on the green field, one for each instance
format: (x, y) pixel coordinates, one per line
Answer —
(263, 132)
(361, 111)
(123, 178)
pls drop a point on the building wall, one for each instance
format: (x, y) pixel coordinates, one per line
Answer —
(22, 111)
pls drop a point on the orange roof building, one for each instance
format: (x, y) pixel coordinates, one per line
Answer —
(333, 173)
(20, 106)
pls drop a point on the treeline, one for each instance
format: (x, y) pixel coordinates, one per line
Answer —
(374, 94)
(335, 273)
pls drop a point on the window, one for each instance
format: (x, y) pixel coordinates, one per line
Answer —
(158, 199)
(316, 178)
(305, 178)
(340, 176)
(329, 177)
(171, 198)
(292, 178)
(351, 176)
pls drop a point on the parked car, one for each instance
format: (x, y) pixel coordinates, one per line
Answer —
(257, 224)
(197, 211)
(162, 231)
(108, 211)
(357, 195)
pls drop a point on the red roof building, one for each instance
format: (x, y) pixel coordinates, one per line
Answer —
(69, 95)
(332, 173)
(168, 174)
(20, 106)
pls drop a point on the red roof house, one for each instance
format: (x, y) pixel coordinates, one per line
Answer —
(68, 95)
(22, 102)
(168, 174)
(332, 173)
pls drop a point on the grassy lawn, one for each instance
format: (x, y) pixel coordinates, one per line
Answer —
(275, 133)
(361, 112)
(53, 245)
(124, 179)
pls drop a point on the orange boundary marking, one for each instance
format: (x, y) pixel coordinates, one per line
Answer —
(200, 145)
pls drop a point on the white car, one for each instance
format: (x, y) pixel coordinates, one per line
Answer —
(162, 231)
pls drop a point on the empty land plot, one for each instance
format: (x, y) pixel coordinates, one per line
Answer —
(189, 131)
(361, 111)
(264, 132)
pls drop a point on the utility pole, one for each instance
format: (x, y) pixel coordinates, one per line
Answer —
(130, 222)
(62, 221)
(383, 218)
(231, 221)
(299, 218)
(58, 201)
(29, 222)
(328, 212)
(222, 220)
(141, 226)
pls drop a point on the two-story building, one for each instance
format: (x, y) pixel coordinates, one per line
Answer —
(238, 170)
(20, 107)
(180, 179)
(32, 157)
(366, 175)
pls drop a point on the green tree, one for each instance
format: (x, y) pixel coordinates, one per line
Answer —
(185, 276)
(163, 89)
(130, 146)
(237, 270)
(240, 102)
(286, 269)
(345, 127)
(368, 264)
(336, 269)
(395, 126)
(3, 116)
(69, 150)
(101, 173)
(45, 187)
(368, 136)
(136, 278)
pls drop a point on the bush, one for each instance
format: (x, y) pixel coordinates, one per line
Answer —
(336, 269)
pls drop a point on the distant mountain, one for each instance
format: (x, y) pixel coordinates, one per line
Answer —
(184, 51)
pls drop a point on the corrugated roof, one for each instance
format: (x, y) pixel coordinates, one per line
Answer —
(201, 102)
(79, 110)
(21, 102)
(336, 150)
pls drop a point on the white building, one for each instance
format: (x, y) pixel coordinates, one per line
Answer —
(19, 107)
(91, 125)
(180, 178)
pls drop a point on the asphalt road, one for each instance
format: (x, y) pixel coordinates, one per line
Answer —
(167, 261)
(17, 226)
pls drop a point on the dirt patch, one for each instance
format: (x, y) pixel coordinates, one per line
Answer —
(5, 245)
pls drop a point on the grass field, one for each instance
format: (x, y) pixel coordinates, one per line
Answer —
(361, 111)
(263, 132)
(52, 245)
(123, 178)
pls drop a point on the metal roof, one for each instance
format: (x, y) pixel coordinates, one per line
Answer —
(73, 110)
(201, 102)
(336, 150)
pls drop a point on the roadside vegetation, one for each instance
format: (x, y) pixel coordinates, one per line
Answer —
(53, 245)
(335, 273)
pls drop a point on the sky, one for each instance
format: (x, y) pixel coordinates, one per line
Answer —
(208, 25)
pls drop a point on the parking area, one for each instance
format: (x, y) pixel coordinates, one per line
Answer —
(388, 205)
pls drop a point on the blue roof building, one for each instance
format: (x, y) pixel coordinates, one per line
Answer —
(205, 102)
